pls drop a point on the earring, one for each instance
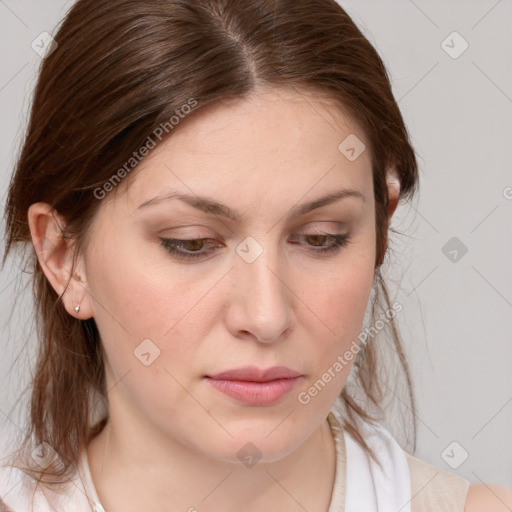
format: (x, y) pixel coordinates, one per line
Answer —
(77, 308)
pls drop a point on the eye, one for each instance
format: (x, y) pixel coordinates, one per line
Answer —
(193, 248)
(186, 249)
(338, 241)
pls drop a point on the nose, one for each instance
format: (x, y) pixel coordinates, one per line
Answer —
(261, 304)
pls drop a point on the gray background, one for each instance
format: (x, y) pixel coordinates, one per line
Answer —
(457, 322)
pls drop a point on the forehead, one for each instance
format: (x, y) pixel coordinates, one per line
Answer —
(283, 139)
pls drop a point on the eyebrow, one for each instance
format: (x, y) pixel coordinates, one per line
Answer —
(212, 207)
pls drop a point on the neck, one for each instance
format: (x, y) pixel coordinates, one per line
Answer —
(134, 468)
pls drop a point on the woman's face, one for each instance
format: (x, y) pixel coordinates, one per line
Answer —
(265, 287)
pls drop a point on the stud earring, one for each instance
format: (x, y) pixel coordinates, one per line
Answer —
(77, 308)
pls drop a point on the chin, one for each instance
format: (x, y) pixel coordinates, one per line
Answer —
(252, 447)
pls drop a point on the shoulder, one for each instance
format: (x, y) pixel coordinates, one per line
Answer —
(488, 498)
(435, 488)
(14, 484)
(14, 491)
(19, 492)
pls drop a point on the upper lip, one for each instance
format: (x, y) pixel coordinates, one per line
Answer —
(255, 374)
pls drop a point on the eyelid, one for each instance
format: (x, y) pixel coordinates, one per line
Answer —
(330, 226)
(333, 225)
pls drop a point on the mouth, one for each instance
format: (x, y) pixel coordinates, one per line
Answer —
(254, 386)
(255, 393)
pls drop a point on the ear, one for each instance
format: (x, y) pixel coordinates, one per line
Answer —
(55, 255)
(393, 183)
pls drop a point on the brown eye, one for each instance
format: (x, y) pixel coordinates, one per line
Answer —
(186, 248)
(338, 241)
(317, 239)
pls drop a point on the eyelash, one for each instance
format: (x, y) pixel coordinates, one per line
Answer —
(172, 244)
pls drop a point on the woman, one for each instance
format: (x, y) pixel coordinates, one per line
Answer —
(206, 188)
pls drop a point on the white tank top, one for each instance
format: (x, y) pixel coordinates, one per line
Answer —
(367, 487)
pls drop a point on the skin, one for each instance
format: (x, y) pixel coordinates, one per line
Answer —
(488, 498)
(172, 440)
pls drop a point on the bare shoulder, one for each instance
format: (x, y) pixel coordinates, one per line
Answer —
(488, 498)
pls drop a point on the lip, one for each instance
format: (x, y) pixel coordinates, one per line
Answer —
(253, 386)
(255, 374)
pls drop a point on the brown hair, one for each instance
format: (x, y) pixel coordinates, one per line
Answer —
(97, 101)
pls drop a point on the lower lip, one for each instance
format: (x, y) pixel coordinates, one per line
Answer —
(255, 393)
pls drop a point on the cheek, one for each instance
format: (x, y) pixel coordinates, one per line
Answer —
(339, 299)
(345, 304)
(138, 298)
(333, 336)
(149, 330)
(337, 333)
(336, 304)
